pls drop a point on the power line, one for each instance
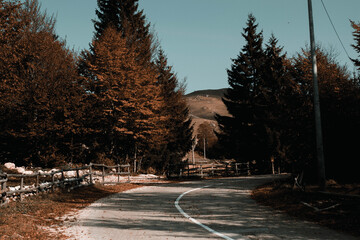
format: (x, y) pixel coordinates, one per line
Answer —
(327, 13)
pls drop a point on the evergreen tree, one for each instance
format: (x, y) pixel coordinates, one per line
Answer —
(108, 16)
(178, 139)
(125, 98)
(276, 95)
(356, 46)
(241, 133)
(126, 18)
(140, 111)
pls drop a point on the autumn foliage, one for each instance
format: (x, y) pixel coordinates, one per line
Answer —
(38, 88)
(105, 105)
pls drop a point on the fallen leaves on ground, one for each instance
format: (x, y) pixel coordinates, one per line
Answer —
(31, 218)
(344, 214)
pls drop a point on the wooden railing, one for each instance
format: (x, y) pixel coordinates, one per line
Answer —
(40, 181)
(103, 174)
(213, 169)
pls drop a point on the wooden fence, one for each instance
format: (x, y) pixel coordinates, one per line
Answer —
(40, 181)
(213, 169)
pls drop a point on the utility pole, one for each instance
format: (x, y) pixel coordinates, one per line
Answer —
(319, 140)
(193, 148)
(204, 148)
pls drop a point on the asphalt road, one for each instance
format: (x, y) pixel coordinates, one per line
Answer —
(212, 209)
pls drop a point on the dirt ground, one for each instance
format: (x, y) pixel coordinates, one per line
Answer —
(31, 218)
(338, 210)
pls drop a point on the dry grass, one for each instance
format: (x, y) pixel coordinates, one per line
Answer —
(29, 219)
(345, 216)
(206, 107)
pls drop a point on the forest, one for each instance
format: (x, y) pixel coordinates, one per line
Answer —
(121, 100)
(270, 101)
(117, 101)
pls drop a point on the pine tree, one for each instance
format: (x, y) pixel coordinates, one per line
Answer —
(241, 132)
(356, 46)
(140, 112)
(108, 16)
(276, 94)
(125, 95)
(178, 139)
(126, 18)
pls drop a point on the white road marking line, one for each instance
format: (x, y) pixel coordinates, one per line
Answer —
(193, 219)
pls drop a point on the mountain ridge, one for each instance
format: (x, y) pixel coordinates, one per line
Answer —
(203, 105)
(218, 93)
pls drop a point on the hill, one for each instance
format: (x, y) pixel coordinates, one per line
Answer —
(204, 104)
(217, 93)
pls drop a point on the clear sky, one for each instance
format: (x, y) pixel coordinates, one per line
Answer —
(200, 37)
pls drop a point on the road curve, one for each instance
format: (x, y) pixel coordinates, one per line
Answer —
(212, 209)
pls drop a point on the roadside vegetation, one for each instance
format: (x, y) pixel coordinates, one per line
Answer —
(120, 102)
(42, 216)
(270, 101)
(338, 209)
(113, 103)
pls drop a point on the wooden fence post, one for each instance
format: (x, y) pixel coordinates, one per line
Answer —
(118, 172)
(53, 181)
(3, 190)
(4, 183)
(37, 182)
(78, 181)
(62, 178)
(103, 174)
(201, 171)
(90, 172)
(21, 188)
(248, 168)
(129, 173)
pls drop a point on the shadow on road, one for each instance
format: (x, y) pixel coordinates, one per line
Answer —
(225, 206)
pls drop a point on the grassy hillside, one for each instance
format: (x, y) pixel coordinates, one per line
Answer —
(206, 103)
(217, 93)
(203, 106)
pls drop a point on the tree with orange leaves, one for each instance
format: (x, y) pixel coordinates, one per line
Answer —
(39, 93)
(339, 98)
(125, 96)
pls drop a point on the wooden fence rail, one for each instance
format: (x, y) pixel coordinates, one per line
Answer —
(223, 169)
(57, 179)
